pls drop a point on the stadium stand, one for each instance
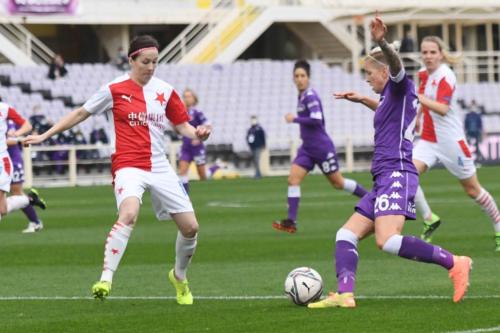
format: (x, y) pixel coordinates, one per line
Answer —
(229, 94)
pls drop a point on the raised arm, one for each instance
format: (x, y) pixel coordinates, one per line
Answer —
(378, 30)
(357, 98)
(68, 121)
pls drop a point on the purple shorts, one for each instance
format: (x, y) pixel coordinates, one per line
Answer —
(191, 153)
(393, 193)
(325, 159)
(18, 172)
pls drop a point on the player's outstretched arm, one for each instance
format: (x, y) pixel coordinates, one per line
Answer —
(439, 108)
(354, 97)
(68, 121)
(201, 132)
(378, 30)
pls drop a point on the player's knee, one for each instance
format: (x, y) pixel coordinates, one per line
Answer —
(128, 217)
(293, 181)
(380, 240)
(190, 230)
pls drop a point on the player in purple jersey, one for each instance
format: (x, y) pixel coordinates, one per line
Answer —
(384, 210)
(16, 185)
(317, 148)
(192, 150)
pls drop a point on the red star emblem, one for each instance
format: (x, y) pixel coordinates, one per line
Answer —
(160, 98)
(120, 190)
(434, 83)
(115, 251)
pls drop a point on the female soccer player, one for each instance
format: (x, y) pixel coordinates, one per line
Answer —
(16, 200)
(443, 137)
(317, 148)
(192, 149)
(384, 210)
(140, 106)
(16, 185)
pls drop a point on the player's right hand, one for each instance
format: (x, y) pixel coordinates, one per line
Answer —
(33, 139)
(349, 95)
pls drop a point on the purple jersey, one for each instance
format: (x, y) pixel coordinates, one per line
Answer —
(197, 119)
(15, 152)
(16, 155)
(312, 123)
(394, 125)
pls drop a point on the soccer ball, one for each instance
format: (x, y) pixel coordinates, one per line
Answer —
(303, 285)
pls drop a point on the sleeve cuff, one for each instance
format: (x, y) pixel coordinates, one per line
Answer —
(399, 77)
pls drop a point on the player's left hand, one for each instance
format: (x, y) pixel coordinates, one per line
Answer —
(378, 28)
(203, 132)
(289, 117)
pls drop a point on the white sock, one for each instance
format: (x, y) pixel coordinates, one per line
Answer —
(293, 191)
(184, 250)
(15, 202)
(116, 244)
(349, 185)
(422, 205)
(488, 204)
(393, 244)
(184, 179)
(347, 235)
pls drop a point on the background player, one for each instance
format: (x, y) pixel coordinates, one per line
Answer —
(443, 136)
(140, 106)
(20, 200)
(16, 186)
(384, 210)
(192, 149)
(317, 148)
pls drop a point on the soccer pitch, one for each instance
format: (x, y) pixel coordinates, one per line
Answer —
(239, 268)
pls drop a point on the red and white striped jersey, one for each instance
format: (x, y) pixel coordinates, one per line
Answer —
(139, 116)
(440, 86)
(7, 112)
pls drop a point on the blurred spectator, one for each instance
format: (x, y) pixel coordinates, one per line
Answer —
(57, 69)
(98, 136)
(121, 61)
(38, 120)
(256, 139)
(474, 126)
(407, 44)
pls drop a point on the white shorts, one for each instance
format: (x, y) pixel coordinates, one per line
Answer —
(5, 173)
(455, 156)
(167, 193)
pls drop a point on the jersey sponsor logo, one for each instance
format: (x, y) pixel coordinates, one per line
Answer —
(411, 207)
(396, 184)
(396, 174)
(395, 195)
(127, 98)
(395, 206)
(312, 104)
(145, 119)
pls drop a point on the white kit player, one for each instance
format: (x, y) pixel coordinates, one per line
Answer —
(13, 202)
(140, 107)
(443, 138)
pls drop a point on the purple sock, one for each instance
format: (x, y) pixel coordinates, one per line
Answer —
(30, 213)
(360, 191)
(346, 263)
(415, 249)
(293, 207)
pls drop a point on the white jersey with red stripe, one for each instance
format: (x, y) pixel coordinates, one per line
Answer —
(7, 112)
(440, 86)
(139, 116)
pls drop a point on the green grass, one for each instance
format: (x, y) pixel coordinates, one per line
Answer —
(240, 254)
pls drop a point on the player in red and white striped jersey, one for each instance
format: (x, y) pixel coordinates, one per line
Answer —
(443, 138)
(140, 107)
(13, 202)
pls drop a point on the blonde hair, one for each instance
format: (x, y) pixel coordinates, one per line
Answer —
(443, 48)
(195, 97)
(377, 56)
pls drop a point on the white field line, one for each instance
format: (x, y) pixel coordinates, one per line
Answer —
(479, 330)
(225, 298)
